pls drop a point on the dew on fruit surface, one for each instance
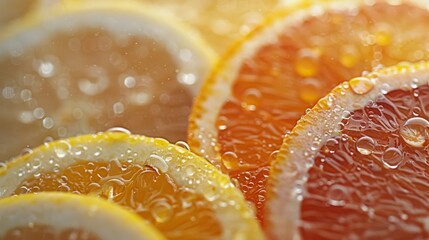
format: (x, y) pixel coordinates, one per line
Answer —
(26, 151)
(119, 130)
(46, 69)
(309, 90)
(183, 145)
(307, 64)
(365, 145)
(186, 78)
(415, 132)
(62, 148)
(48, 122)
(392, 157)
(157, 162)
(230, 160)
(337, 195)
(251, 99)
(162, 212)
(361, 85)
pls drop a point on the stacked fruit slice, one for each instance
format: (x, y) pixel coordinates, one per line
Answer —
(259, 90)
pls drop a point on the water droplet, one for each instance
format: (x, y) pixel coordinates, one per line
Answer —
(185, 55)
(118, 108)
(162, 212)
(8, 92)
(186, 78)
(309, 90)
(230, 160)
(183, 144)
(96, 82)
(39, 113)
(337, 195)
(190, 170)
(349, 56)
(46, 69)
(365, 145)
(119, 130)
(157, 162)
(392, 157)
(251, 99)
(26, 117)
(129, 82)
(361, 85)
(26, 95)
(306, 64)
(26, 151)
(221, 123)
(415, 132)
(414, 83)
(61, 149)
(48, 122)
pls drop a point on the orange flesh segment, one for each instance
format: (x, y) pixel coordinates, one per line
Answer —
(372, 182)
(42, 232)
(177, 212)
(88, 81)
(275, 87)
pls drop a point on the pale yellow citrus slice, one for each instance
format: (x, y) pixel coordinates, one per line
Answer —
(356, 165)
(11, 10)
(61, 216)
(265, 83)
(181, 194)
(83, 67)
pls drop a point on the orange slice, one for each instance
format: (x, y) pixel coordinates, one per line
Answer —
(181, 194)
(355, 166)
(86, 67)
(265, 83)
(56, 216)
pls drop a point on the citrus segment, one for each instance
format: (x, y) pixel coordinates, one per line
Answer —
(360, 170)
(265, 83)
(57, 216)
(181, 194)
(91, 66)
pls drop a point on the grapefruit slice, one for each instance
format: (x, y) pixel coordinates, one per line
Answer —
(355, 166)
(264, 84)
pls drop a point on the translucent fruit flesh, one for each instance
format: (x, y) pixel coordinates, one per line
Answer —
(178, 213)
(41, 232)
(372, 182)
(274, 87)
(88, 81)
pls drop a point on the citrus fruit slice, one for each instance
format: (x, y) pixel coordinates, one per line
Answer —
(220, 22)
(181, 194)
(266, 82)
(86, 67)
(11, 10)
(50, 216)
(355, 166)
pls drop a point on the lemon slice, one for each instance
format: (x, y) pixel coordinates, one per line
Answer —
(83, 67)
(181, 194)
(51, 216)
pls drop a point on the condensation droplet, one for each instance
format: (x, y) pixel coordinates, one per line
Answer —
(162, 212)
(186, 78)
(230, 160)
(415, 132)
(118, 108)
(309, 90)
(361, 85)
(392, 157)
(157, 162)
(251, 99)
(8, 92)
(306, 64)
(337, 195)
(119, 130)
(46, 69)
(365, 145)
(61, 149)
(183, 144)
(48, 122)
(129, 82)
